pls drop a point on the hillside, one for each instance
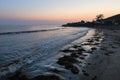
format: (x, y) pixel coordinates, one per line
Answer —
(112, 20)
(115, 17)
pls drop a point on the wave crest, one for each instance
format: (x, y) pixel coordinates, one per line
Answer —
(33, 31)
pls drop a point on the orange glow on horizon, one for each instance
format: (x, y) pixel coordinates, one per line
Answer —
(57, 10)
(86, 17)
(74, 17)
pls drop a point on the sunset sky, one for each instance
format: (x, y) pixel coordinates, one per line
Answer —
(48, 11)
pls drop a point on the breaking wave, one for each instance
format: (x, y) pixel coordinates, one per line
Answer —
(33, 31)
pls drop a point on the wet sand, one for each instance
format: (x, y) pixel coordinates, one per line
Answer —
(105, 64)
(99, 56)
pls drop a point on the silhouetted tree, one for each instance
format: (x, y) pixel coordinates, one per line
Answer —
(99, 17)
(82, 21)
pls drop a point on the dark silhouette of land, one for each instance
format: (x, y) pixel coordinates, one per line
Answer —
(99, 21)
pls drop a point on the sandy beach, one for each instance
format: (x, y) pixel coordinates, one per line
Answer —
(59, 40)
(106, 65)
(93, 57)
(103, 61)
(98, 54)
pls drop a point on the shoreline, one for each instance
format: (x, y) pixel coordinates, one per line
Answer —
(15, 67)
(77, 56)
(106, 65)
(75, 53)
(88, 58)
(103, 64)
(51, 60)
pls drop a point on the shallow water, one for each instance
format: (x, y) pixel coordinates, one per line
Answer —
(33, 44)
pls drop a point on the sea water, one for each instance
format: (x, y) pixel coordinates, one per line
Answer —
(27, 46)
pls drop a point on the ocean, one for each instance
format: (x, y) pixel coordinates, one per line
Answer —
(24, 47)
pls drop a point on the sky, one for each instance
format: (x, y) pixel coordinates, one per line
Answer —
(55, 11)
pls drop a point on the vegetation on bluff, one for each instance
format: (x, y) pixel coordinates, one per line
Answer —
(113, 20)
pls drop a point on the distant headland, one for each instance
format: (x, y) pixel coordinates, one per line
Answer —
(98, 21)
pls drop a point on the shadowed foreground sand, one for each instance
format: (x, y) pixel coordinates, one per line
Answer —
(111, 48)
(106, 65)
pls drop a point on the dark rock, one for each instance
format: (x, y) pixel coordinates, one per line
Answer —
(94, 48)
(74, 55)
(73, 68)
(89, 51)
(18, 76)
(86, 74)
(47, 77)
(56, 70)
(90, 40)
(103, 48)
(69, 66)
(65, 50)
(95, 43)
(89, 63)
(81, 50)
(107, 54)
(76, 52)
(113, 46)
(83, 71)
(69, 50)
(67, 62)
(81, 57)
(66, 59)
(75, 46)
(97, 39)
(94, 78)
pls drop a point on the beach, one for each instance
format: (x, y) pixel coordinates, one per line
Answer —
(103, 60)
(59, 39)
(31, 50)
(94, 56)
(106, 65)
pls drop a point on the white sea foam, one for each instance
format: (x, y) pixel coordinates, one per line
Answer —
(29, 52)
